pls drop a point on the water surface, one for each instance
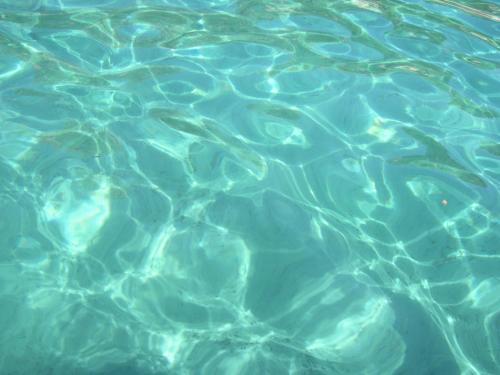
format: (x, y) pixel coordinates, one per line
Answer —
(249, 187)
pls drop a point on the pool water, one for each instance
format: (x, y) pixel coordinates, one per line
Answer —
(249, 187)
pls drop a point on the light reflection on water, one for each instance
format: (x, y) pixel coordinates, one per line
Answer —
(249, 187)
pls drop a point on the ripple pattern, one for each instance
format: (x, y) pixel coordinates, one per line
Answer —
(249, 187)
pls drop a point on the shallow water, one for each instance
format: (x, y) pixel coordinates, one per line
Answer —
(249, 187)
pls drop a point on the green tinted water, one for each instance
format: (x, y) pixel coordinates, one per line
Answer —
(249, 187)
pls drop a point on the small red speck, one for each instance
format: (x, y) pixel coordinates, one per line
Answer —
(444, 202)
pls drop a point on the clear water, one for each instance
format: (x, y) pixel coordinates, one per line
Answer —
(249, 187)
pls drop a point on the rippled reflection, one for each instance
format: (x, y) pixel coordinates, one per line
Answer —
(249, 187)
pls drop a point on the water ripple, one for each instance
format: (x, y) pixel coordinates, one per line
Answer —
(249, 186)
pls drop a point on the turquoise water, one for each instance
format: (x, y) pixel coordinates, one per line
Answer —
(249, 187)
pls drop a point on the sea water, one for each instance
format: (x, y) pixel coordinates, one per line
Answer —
(249, 187)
